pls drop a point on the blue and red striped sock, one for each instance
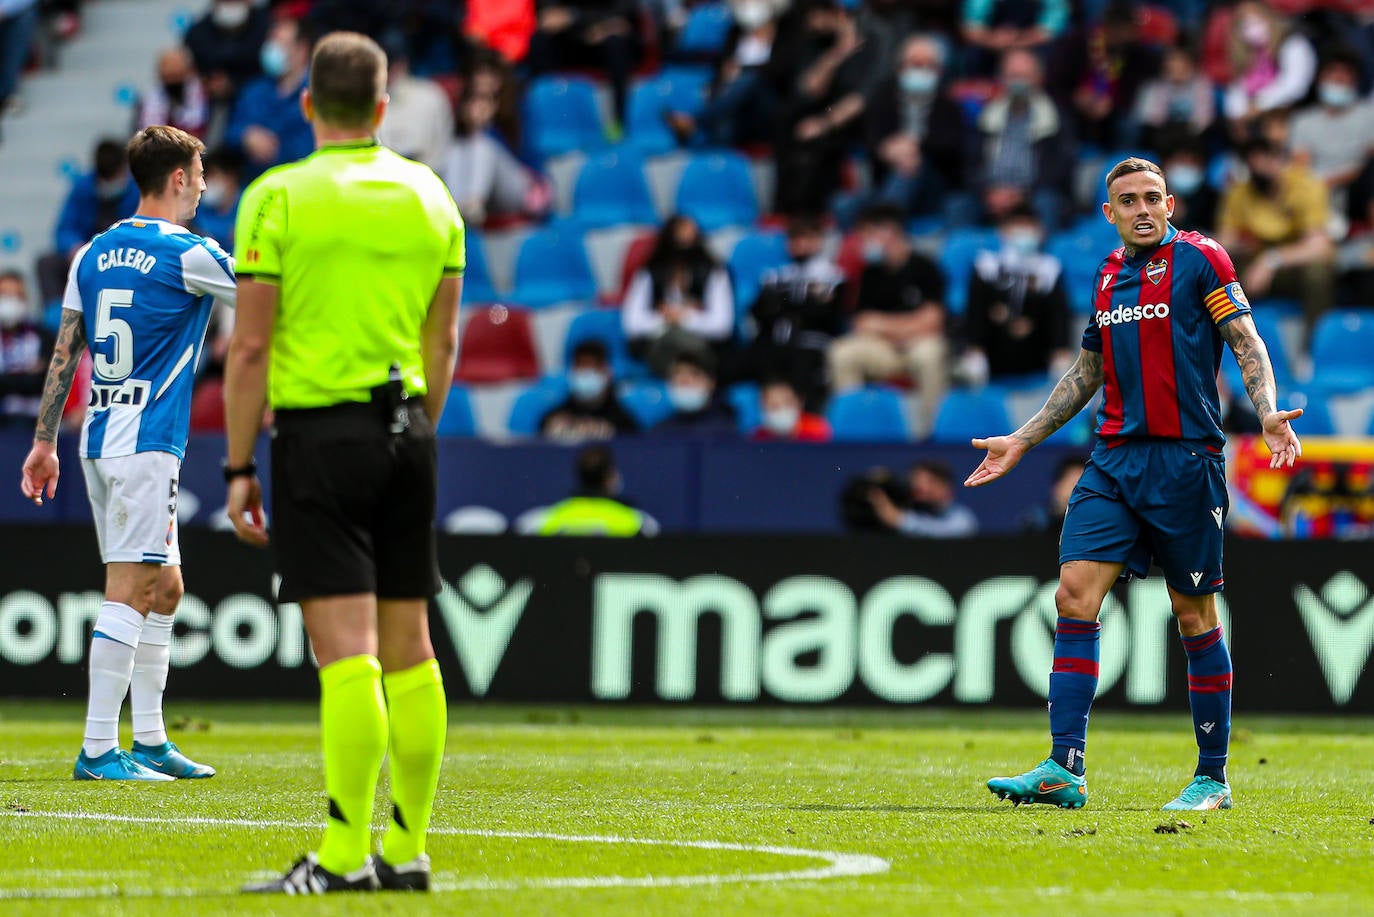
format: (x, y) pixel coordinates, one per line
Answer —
(1073, 683)
(1209, 694)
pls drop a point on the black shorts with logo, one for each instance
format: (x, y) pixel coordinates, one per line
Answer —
(353, 503)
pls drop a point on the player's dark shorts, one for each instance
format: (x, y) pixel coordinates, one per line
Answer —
(1149, 501)
(353, 504)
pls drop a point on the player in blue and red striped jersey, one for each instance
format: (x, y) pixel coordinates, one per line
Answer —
(1154, 489)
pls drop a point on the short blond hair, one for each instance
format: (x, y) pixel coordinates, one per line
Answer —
(347, 79)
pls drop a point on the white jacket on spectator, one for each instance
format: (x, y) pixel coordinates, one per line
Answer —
(715, 320)
(419, 120)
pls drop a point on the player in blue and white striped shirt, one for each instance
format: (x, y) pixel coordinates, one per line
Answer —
(140, 295)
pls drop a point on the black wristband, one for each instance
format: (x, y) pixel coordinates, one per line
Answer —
(242, 471)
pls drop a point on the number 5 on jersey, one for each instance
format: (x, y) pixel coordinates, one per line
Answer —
(115, 362)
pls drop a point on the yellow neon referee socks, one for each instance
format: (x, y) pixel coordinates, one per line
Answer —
(353, 731)
(419, 724)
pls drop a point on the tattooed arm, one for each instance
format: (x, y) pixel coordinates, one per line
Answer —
(1258, 375)
(40, 468)
(1070, 395)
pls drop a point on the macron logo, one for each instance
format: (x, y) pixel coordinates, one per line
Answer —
(1124, 315)
(1217, 515)
(1208, 727)
(1197, 578)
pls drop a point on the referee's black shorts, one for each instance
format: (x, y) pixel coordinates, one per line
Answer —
(353, 503)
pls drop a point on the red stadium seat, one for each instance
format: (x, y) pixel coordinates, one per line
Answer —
(497, 345)
(636, 256)
(207, 407)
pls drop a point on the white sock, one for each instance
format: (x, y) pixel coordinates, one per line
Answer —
(117, 630)
(150, 679)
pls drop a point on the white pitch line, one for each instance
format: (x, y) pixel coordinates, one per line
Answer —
(837, 864)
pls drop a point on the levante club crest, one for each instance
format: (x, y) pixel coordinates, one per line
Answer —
(1155, 269)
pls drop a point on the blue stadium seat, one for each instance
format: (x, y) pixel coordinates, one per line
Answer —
(705, 31)
(752, 255)
(477, 285)
(1316, 419)
(650, 100)
(966, 413)
(717, 190)
(1342, 349)
(560, 116)
(552, 267)
(647, 402)
(869, 415)
(957, 255)
(744, 398)
(611, 191)
(533, 403)
(457, 419)
(598, 325)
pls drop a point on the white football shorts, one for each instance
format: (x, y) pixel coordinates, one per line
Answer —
(134, 501)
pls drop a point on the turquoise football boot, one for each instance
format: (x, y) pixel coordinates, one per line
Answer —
(1049, 784)
(168, 759)
(115, 764)
(1202, 795)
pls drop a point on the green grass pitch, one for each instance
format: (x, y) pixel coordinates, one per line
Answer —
(691, 811)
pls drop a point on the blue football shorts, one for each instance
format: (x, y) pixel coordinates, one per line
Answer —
(1152, 501)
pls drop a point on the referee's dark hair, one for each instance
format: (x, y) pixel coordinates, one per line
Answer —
(156, 152)
(347, 79)
(595, 469)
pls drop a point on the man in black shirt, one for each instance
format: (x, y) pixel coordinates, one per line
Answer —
(1018, 311)
(898, 326)
(591, 410)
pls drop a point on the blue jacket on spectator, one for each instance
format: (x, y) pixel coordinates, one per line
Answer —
(84, 214)
(260, 104)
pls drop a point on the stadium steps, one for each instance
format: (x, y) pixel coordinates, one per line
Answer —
(67, 109)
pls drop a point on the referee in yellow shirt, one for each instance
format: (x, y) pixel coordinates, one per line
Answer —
(349, 267)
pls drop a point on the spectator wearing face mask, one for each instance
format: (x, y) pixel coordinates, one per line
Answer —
(898, 327)
(1026, 151)
(591, 410)
(1179, 105)
(24, 351)
(1195, 200)
(1272, 64)
(1335, 138)
(219, 203)
(784, 419)
(178, 99)
(932, 512)
(916, 131)
(692, 392)
(798, 313)
(267, 123)
(97, 199)
(1274, 225)
(1017, 323)
(225, 45)
(681, 300)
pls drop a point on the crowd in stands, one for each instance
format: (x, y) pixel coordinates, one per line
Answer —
(929, 226)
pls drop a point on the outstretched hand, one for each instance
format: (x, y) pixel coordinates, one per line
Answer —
(1284, 447)
(1003, 454)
